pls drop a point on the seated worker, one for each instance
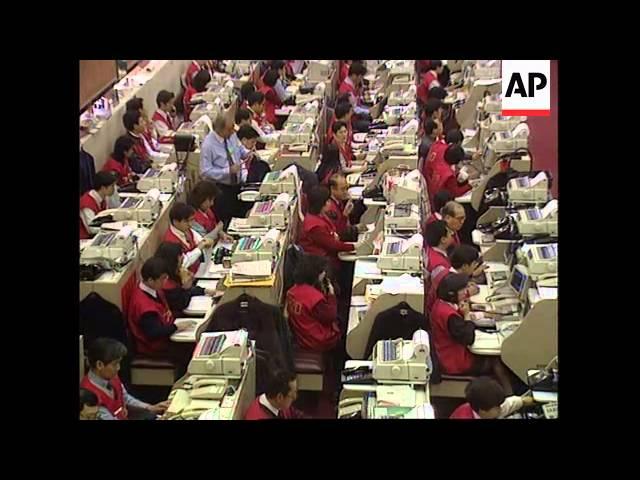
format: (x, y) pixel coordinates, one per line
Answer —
(114, 402)
(118, 162)
(149, 133)
(276, 402)
(94, 201)
(194, 68)
(88, 405)
(178, 288)
(341, 139)
(351, 84)
(341, 207)
(202, 198)
(281, 84)
(454, 216)
(163, 117)
(312, 306)
(149, 318)
(452, 333)
(246, 89)
(256, 167)
(437, 238)
(464, 259)
(134, 123)
(198, 84)
(432, 109)
(329, 163)
(440, 199)
(429, 80)
(486, 400)
(343, 113)
(442, 173)
(266, 130)
(318, 235)
(181, 216)
(344, 70)
(272, 100)
(432, 132)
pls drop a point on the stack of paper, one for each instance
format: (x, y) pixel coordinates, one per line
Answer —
(199, 305)
(403, 284)
(251, 271)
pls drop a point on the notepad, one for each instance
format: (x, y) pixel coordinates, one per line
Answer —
(261, 268)
(208, 284)
(396, 395)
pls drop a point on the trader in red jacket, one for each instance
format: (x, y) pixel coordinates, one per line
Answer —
(272, 100)
(114, 402)
(150, 319)
(429, 80)
(437, 238)
(440, 199)
(453, 333)
(486, 400)
(312, 306)
(319, 235)
(181, 216)
(276, 403)
(162, 118)
(198, 84)
(445, 175)
(118, 162)
(94, 201)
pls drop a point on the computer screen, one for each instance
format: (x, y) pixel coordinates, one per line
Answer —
(548, 251)
(518, 280)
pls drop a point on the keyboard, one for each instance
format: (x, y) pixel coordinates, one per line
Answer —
(212, 345)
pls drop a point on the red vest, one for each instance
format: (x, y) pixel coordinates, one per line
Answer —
(310, 333)
(433, 217)
(259, 119)
(454, 357)
(432, 294)
(257, 411)
(188, 93)
(435, 259)
(207, 220)
(115, 404)
(121, 169)
(272, 102)
(158, 117)
(138, 147)
(139, 304)
(346, 87)
(87, 201)
(337, 217)
(312, 221)
(170, 237)
(344, 72)
(463, 412)
(435, 154)
(423, 88)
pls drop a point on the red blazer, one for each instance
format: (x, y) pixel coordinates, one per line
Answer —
(121, 169)
(423, 88)
(344, 72)
(158, 117)
(436, 259)
(313, 318)
(319, 237)
(444, 178)
(188, 93)
(435, 153)
(170, 237)
(271, 104)
(346, 87)
(139, 304)
(206, 219)
(138, 147)
(454, 357)
(87, 201)
(463, 412)
(337, 217)
(257, 411)
(192, 71)
(115, 405)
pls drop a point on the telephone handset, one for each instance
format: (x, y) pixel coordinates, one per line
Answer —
(350, 408)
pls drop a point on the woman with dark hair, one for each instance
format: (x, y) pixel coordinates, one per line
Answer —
(272, 100)
(202, 198)
(246, 89)
(198, 84)
(330, 163)
(118, 163)
(453, 332)
(318, 235)
(178, 288)
(312, 306)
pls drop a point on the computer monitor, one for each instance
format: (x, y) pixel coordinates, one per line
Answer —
(519, 281)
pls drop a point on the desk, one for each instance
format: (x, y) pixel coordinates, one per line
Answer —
(110, 284)
(166, 76)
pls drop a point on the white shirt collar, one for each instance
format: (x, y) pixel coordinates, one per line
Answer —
(265, 402)
(179, 234)
(149, 290)
(163, 114)
(440, 250)
(475, 415)
(438, 215)
(134, 134)
(217, 137)
(96, 196)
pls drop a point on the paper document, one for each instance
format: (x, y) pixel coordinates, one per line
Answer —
(486, 83)
(403, 284)
(487, 341)
(547, 293)
(359, 301)
(208, 284)
(261, 268)
(520, 131)
(365, 268)
(415, 239)
(550, 208)
(199, 305)
(213, 234)
(217, 268)
(396, 395)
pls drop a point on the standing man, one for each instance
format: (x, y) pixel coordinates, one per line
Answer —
(222, 160)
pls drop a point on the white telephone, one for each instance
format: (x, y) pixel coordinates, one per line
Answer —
(184, 406)
(349, 407)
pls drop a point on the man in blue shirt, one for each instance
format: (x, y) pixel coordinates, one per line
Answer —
(222, 160)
